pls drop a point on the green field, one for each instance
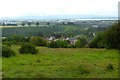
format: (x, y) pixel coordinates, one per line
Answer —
(7, 26)
(62, 63)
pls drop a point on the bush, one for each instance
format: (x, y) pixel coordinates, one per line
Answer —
(81, 42)
(16, 38)
(7, 51)
(58, 44)
(28, 48)
(99, 41)
(72, 46)
(39, 41)
(53, 44)
(63, 44)
(8, 43)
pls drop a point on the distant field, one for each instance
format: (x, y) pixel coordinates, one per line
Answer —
(7, 26)
(62, 63)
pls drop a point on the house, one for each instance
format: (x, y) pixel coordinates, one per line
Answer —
(71, 40)
(52, 38)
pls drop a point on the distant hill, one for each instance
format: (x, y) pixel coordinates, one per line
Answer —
(52, 17)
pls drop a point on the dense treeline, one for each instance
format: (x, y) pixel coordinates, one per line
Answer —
(46, 31)
(41, 41)
(109, 39)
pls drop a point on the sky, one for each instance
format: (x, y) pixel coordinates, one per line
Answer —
(17, 8)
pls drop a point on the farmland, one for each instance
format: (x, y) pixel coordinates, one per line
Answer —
(7, 26)
(61, 63)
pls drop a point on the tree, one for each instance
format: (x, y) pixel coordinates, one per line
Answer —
(53, 44)
(48, 23)
(78, 44)
(37, 23)
(109, 39)
(28, 48)
(7, 51)
(16, 38)
(23, 24)
(63, 44)
(99, 41)
(70, 23)
(113, 36)
(3, 24)
(39, 41)
(29, 23)
(82, 41)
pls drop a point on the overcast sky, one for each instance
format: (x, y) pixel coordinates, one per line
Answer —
(17, 8)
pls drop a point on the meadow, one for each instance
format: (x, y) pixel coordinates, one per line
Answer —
(62, 63)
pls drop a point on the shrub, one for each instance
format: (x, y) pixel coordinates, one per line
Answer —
(71, 46)
(8, 43)
(39, 41)
(81, 42)
(28, 48)
(7, 51)
(93, 44)
(78, 44)
(53, 44)
(99, 41)
(63, 44)
(16, 38)
(58, 44)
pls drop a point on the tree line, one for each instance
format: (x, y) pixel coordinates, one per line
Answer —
(109, 39)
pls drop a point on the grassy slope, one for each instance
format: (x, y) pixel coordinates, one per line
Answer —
(65, 63)
(0, 67)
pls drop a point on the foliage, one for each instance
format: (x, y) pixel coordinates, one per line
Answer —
(49, 30)
(7, 51)
(78, 44)
(29, 23)
(8, 43)
(82, 41)
(63, 44)
(39, 41)
(113, 37)
(58, 44)
(99, 41)
(71, 46)
(54, 44)
(16, 38)
(108, 39)
(23, 24)
(37, 24)
(28, 48)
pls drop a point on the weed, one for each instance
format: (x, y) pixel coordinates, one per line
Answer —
(83, 70)
(109, 67)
